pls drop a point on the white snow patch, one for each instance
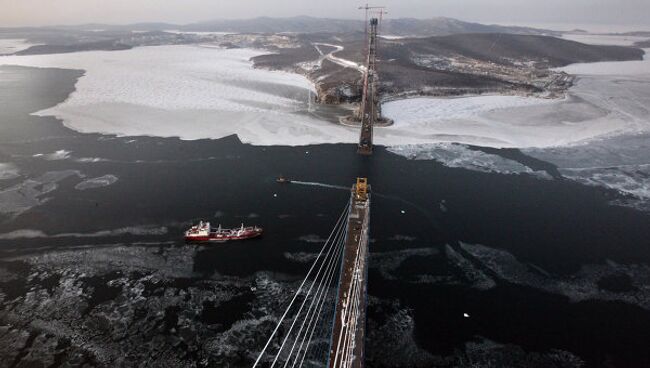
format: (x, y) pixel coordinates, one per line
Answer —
(337, 60)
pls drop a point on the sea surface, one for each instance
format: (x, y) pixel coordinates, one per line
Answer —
(466, 267)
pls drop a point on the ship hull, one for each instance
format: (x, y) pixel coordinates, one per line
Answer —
(222, 239)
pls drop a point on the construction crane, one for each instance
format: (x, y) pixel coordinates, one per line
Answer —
(380, 10)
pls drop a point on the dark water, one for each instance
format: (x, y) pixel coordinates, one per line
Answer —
(555, 225)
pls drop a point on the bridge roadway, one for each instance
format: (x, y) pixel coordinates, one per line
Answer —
(367, 121)
(349, 329)
(369, 100)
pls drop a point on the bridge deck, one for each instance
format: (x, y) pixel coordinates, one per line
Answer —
(367, 123)
(355, 258)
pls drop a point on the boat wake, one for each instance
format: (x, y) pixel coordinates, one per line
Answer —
(323, 185)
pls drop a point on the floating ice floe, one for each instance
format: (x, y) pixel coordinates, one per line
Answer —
(393, 341)
(131, 230)
(28, 194)
(583, 285)
(8, 171)
(54, 156)
(102, 181)
(471, 273)
(483, 352)
(400, 237)
(631, 179)
(86, 160)
(312, 238)
(388, 262)
(619, 163)
(301, 257)
(461, 156)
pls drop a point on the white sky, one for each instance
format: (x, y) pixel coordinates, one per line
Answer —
(630, 13)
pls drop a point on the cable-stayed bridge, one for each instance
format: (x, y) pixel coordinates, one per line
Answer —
(325, 322)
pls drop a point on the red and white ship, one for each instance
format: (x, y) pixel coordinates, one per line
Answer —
(204, 233)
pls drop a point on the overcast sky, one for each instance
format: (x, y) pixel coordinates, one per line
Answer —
(579, 12)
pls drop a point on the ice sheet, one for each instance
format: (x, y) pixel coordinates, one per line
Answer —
(195, 92)
(191, 92)
(13, 45)
(618, 68)
(599, 39)
(460, 156)
(620, 163)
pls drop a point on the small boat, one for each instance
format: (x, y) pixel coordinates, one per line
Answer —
(203, 233)
(282, 180)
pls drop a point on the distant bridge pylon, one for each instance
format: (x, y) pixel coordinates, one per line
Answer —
(369, 112)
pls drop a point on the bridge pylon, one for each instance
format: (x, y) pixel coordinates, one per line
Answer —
(347, 347)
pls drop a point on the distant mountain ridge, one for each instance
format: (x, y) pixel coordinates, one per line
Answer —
(398, 27)
(438, 26)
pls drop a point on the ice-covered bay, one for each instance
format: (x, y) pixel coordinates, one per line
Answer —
(600, 39)
(191, 92)
(598, 106)
(596, 136)
(195, 92)
(609, 99)
(618, 161)
(638, 68)
(12, 45)
(464, 120)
